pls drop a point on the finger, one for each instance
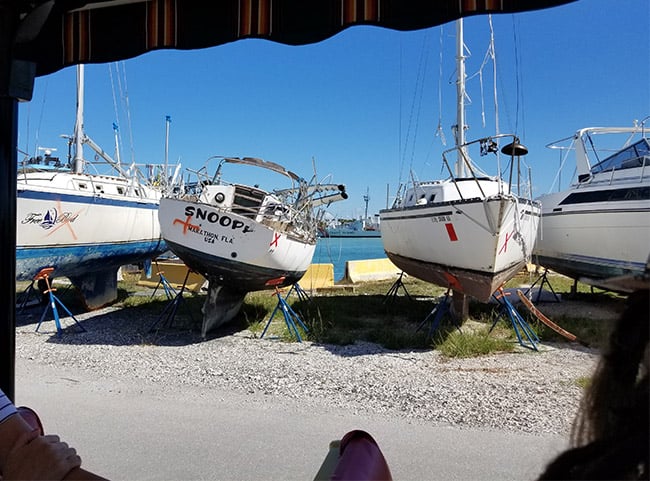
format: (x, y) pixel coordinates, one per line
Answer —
(25, 438)
(52, 438)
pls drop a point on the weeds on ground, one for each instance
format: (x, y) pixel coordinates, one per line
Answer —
(365, 312)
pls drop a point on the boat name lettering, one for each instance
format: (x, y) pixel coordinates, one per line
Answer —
(50, 218)
(211, 237)
(441, 218)
(215, 218)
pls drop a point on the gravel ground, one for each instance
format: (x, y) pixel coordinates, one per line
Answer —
(532, 392)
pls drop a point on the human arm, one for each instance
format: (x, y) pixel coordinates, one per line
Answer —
(26, 454)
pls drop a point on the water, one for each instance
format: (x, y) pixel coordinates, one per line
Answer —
(339, 250)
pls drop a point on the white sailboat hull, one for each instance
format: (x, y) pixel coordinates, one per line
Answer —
(230, 249)
(471, 246)
(79, 223)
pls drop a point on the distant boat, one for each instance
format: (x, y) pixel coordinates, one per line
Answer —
(83, 224)
(597, 231)
(241, 237)
(470, 232)
(353, 228)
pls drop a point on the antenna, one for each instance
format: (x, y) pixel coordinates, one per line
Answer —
(366, 198)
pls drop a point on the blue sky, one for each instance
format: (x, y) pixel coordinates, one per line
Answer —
(365, 103)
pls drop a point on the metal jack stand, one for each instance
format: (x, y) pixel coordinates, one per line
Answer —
(519, 324)
(169, 313)
(300, 292)
(435, 316)
(29, 294)
(290, 316)
(394, 289)
(170, 292)
(544, 280)
(44, 275)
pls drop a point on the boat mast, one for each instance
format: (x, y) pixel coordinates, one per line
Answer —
(366, 198)
(459, 128)
(78, 161)
(168, 121)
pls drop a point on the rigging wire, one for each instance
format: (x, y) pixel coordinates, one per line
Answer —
(519, 107)
(124, 96)
(439, 130)
(116, 110)
(414, 113)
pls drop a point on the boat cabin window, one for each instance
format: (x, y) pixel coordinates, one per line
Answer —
(247, 201)
(99, 188)
(82, 185)
(634, 156)
(120, 190)
(432, 197)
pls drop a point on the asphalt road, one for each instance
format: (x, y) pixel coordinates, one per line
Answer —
(124, 431)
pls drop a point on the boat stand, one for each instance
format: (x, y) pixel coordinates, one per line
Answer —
(394, 289)
(29, 294)
(435, 316)
(300, 292)
(169, 313)
(170, 292)
(519, 324)
(544, 280)
(44, 274)
(290, 316)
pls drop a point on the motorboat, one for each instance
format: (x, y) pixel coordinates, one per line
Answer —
(597, 230)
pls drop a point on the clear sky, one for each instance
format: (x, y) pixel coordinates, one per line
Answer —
(365, 103)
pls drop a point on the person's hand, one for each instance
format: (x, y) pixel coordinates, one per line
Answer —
(36, 457)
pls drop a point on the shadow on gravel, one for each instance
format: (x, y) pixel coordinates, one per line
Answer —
(149, 324)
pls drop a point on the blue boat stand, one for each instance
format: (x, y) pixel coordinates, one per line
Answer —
(169, 313)
(44, 274)
(291, 319)
(394, 289)
(518, 323)
(170, 292)
(435, 316)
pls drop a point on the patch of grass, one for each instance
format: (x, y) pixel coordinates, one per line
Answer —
(475, 338)
(364, 312)
(583, 382)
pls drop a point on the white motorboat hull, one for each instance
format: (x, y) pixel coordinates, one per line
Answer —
(598, 230)
(233, 250)
(595, 241)
(471, 246)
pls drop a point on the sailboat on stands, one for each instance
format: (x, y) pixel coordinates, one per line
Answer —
(597, 230)
(470, 232)
(86, 225)
(242, 237)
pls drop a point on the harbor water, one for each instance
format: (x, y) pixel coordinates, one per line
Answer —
(339, 250)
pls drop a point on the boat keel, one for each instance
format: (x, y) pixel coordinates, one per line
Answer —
(98, 288)
(220, 307)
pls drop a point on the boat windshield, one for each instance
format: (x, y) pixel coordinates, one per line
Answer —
(633, 156)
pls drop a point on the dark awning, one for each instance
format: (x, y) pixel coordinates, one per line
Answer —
(59, 33)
